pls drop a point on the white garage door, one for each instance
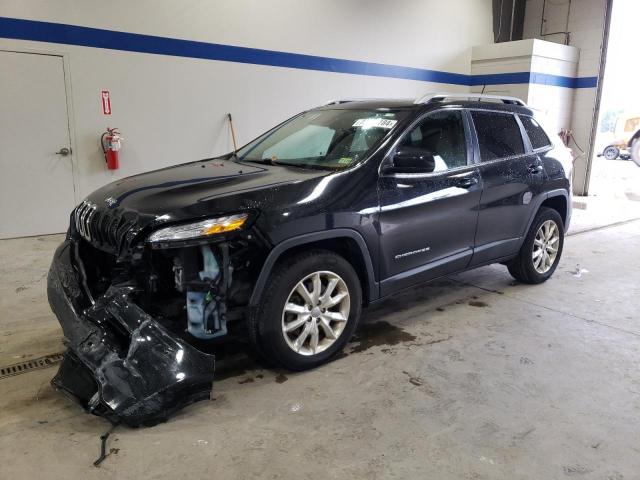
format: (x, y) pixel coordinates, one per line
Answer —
(36, 183)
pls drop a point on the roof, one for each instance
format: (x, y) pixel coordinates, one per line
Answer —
(371, 104)
(409, 104)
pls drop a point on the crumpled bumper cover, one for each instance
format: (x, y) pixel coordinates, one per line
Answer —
(120, 363)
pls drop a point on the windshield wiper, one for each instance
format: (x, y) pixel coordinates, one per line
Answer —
(304, 166)
(269, 161)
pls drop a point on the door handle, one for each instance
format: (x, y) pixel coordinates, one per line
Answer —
(64, 151)
(466, 182)
(535, 169)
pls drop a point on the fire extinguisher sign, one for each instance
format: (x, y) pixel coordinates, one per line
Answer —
(106, 102)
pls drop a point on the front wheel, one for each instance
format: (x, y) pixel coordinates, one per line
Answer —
(540, 253)
(309, 310)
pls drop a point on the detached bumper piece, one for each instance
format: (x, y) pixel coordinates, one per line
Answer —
(121, 364)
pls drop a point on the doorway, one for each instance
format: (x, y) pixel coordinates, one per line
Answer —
(36, 159)
(614, 175)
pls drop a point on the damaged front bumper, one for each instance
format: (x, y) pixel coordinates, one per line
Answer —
(121, 363)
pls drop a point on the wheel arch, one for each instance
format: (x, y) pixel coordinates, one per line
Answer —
(559, 203)
(559, 200)
(345, 242)
(635, 137)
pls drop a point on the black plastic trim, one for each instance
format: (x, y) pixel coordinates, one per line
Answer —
(540, 200)
(281, 248)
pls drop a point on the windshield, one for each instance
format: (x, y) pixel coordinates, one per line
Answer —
(327, 139)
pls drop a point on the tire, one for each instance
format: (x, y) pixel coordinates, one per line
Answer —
(635, 151)
(524, 267)
(611, 152)
(267, 325)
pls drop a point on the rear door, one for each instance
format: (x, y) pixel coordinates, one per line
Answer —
(428, 220)
(512, 178)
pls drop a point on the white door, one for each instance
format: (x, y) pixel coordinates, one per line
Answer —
(36, 183)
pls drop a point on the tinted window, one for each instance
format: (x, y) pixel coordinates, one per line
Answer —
(498, 135)
(536, 134)
(442, 135)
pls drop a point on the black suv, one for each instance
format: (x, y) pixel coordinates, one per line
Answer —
(285, 240)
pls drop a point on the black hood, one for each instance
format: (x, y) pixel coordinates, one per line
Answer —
(114, 216)
(192, 189)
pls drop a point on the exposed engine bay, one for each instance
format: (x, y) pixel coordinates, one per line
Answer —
(193, 289)
(138, 321)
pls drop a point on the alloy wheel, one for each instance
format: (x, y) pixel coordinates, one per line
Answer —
(316, 313)
(545, 246)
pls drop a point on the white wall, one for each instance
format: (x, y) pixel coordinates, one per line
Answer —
(171, 109)
(586, 22)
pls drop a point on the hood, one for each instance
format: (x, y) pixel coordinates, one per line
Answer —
(193, 189)
(114, 216)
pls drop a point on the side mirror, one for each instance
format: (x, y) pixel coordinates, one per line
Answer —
(412, 160)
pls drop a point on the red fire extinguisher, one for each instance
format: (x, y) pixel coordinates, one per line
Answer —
(111, 144)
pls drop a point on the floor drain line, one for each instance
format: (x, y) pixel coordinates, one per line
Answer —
(29, 365)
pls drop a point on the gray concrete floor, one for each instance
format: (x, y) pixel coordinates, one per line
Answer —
(471, 377)
(615, 179)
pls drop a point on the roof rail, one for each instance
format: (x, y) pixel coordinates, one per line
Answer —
(336, 102)
(348, 100)
(440, 97)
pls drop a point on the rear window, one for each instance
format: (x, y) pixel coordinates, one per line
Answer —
(498, 135)
(536, 133)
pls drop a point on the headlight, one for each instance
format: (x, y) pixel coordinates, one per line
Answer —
(203, 228)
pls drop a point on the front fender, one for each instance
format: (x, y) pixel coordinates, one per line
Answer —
(282, 247)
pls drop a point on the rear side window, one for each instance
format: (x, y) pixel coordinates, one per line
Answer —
(536, 134)
(498, 135)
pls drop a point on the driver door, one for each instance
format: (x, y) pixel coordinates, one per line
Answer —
(428, 220)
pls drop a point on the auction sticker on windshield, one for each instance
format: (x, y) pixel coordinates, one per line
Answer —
(375, 122)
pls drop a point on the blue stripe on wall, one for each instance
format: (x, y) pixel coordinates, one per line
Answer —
(32, 30)
(500, 78)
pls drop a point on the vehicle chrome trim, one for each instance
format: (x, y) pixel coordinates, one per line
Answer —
(455, 172)
(434, 97)
(412, 252)
(83, 216)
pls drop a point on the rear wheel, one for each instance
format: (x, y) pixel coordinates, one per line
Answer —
(309, 310)
(541, 250)
(611, 152)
